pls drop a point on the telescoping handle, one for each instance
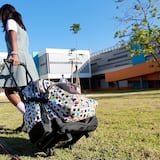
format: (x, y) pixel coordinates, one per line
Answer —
(28, 75)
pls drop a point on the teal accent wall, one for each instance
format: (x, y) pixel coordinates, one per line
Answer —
(138, 59)
(36, 60)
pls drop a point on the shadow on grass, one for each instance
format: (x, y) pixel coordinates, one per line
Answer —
(16, 145)
(5, 131)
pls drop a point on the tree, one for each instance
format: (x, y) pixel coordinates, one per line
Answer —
(75, 28)
(142, 28)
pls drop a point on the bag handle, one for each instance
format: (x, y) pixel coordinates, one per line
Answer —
(28, 75)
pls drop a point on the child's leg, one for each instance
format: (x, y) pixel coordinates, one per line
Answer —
(15, 99)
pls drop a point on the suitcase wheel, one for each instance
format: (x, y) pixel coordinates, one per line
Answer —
(49, 152)
(88, 134)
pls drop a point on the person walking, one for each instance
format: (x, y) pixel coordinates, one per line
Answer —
(17, 43)
(63, 79)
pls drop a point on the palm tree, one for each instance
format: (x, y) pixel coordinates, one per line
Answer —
(75, 28)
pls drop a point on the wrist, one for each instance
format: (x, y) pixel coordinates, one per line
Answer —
(14, 53)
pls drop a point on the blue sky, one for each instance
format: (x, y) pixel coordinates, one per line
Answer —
(48, 23)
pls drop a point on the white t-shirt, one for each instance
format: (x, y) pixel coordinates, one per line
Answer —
(11, 25)
(63, 80)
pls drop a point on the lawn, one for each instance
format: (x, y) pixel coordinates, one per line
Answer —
(129, 129)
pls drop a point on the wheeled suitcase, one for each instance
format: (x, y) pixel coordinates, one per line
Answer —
(47, 129)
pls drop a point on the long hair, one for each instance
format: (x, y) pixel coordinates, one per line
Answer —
(7, 11)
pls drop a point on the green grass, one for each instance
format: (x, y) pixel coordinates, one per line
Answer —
(129, 129)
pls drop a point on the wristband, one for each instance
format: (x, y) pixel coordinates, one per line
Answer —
(14, 53)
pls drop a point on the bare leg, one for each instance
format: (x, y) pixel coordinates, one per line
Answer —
(12, 96)
(15, 99)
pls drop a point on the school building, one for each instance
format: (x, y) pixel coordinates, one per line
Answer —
(52, 63)
(114, 68)
(108, 69)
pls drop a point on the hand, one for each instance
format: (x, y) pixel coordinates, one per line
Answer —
(15, 59)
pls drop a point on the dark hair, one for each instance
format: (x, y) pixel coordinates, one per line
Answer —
(7, 11)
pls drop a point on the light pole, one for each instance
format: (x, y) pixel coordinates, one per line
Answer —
(71, 60)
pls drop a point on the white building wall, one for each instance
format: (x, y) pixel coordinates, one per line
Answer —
(3, 55)
(55, 62)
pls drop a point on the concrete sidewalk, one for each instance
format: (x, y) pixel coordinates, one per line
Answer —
(3, 98)
(90, 95)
